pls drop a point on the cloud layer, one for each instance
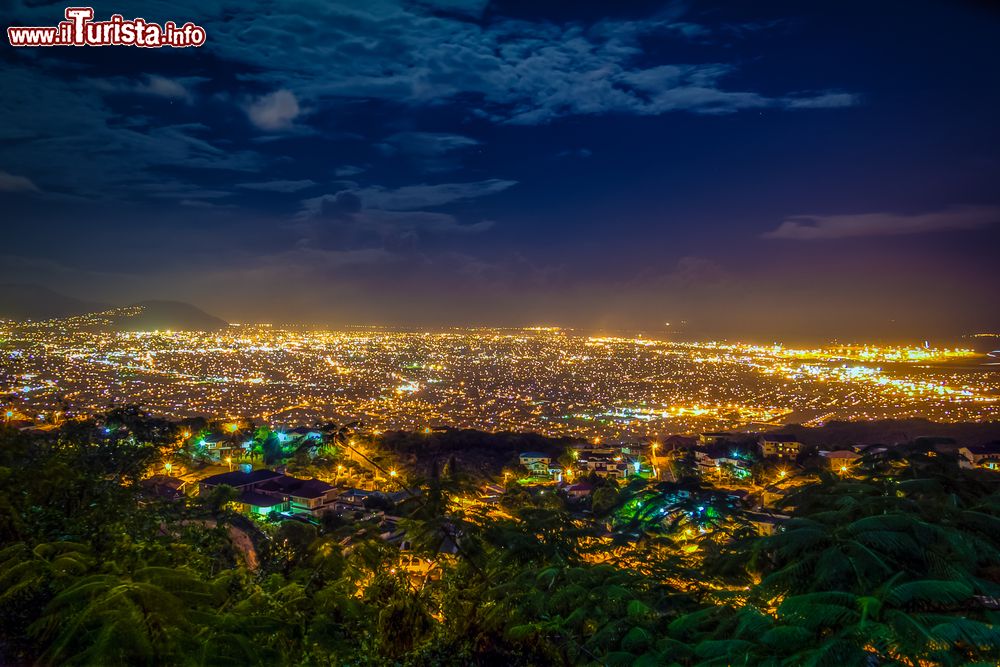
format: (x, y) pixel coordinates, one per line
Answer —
(823, 227)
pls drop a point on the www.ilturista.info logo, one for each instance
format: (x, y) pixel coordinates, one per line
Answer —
(80, 29)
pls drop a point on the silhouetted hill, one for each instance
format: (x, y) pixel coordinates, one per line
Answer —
(892, 432)
(34, 302)
(168, 315)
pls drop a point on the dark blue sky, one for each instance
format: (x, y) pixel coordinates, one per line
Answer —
(758, 170)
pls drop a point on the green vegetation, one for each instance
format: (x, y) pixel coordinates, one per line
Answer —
(896, 565)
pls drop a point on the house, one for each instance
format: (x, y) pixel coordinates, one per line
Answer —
(218, 446)
(777, 445)
(536, 462)
(305, 432)
(303, 438)
(980, 456)
(238, 479)
(600, 448)
(703, 462)
(264, 491)
(840, 460)
(249, 500)
(579, 490)
(304, 496)
(714, 438)
(609, 465)
(766, 523)
(715, 464)
(163, 486)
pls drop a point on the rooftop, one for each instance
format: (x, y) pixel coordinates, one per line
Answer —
(985, 450)
(238, 478)
(778, 437)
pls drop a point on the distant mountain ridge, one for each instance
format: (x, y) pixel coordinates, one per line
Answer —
(34, 302)
(37, 303)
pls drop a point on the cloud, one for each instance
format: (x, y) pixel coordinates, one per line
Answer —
(575, 153)
(342, 204)
(348, 170)
(473, 8)
(274, 111)
(13, 183)
(405, 198)
(413, 197)
(431, 151)
(153, 84)
(278, 186)
(163, 87)
(828, 100)
(391, 217)
(427, 143)
(205, 205)
(114, 154)
(524, 72)
(822, 227)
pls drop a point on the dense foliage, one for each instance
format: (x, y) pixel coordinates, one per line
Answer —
(899, 565)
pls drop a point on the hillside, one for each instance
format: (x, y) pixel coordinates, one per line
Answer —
(167, 315)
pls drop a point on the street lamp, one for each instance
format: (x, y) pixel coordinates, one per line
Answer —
(168, 467)
(393, 473)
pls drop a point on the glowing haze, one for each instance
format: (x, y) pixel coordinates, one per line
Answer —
(770, 171)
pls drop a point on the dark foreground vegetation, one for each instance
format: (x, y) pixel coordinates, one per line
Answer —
(897, 565)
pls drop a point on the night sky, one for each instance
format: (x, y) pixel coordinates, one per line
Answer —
(762, 171)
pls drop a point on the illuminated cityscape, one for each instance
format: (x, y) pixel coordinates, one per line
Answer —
(544, 380)
(485, 333)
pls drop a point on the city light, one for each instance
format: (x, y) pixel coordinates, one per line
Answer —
(554, 383)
